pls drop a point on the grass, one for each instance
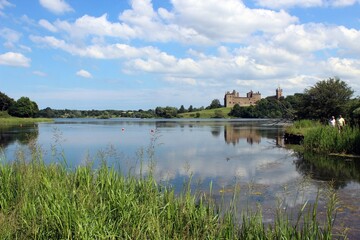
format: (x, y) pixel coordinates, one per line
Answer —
(326, 139)
(302, 127)
(50, 201)
(208, 113)
(6, 119)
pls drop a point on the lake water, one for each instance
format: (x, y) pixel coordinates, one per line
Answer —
(249, 154)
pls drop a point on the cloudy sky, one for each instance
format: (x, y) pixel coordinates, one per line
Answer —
(140, 54)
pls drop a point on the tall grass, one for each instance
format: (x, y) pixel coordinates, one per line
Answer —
(327, 139)
(302, 126)
(49, 201)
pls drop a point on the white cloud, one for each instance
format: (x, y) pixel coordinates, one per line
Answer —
(112, 51)
(84, 73)
(281, 4)
(189, 22)
(47, 25)
(56, 6)
(342, 3)
(39, 73)
(347, 68)
(228, 20)
(14, 59)
(3, 5)
(11, 37)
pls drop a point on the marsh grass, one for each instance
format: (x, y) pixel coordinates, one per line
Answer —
(5, 121)
(51, 201)
(327, 139)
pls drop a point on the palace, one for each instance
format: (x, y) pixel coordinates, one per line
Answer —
(233, 98)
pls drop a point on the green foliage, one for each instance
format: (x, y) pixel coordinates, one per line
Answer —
(23, 107)
(327, 139)
(215, 104)
(218, 114)
(167, 112)
(5, 102)
(327, 98)
(190, 109)
(182, 109)
(265, 108)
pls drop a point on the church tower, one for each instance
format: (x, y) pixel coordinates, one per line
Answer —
(278, 93)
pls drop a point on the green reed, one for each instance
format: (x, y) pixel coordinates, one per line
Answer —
(50, 201)
(328, 139)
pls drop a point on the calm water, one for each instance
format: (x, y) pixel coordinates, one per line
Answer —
(249, 154)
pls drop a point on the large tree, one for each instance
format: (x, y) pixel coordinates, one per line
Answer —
(215, 104)
(327, 98)
(5, 102)
(24, 107)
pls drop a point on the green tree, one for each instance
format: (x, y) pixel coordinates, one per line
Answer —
(24, 107)
(167, 112)
(235, 111)
(327, 98)
(181, 109)
(190, 109)
(215, 104)
(5, 102)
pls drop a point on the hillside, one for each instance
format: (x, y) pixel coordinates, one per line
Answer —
(208, 113)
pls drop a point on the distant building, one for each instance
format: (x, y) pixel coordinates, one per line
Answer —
(233, 98)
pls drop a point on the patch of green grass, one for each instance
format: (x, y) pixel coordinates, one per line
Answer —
(208, 113)
(301, 127)
(6, 119)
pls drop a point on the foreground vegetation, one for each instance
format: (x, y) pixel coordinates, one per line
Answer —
(49, 201)
(322, 138)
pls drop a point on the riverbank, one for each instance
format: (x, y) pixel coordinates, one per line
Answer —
(6, 119)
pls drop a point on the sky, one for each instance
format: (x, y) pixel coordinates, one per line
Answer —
(140, 54)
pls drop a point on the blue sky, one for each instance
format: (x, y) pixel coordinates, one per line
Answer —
(140, 54)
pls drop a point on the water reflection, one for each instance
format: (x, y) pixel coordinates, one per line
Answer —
(233, 134)
(341, 171)
(23, 134)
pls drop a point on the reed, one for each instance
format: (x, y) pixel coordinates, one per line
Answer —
(327, 139)
(50, 201)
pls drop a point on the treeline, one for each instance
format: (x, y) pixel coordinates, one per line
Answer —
(158, 112)
(326, 98)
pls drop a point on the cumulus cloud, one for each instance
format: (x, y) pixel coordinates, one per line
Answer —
(189, 22)
(14, 59)
(281, 4)
(83, 73)
(56, 6)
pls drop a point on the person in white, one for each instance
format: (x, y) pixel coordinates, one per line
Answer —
(333, 121)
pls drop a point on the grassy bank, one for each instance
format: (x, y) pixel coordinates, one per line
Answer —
(6, 119)
(326, 139)
(39, 201)
(208, 113)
